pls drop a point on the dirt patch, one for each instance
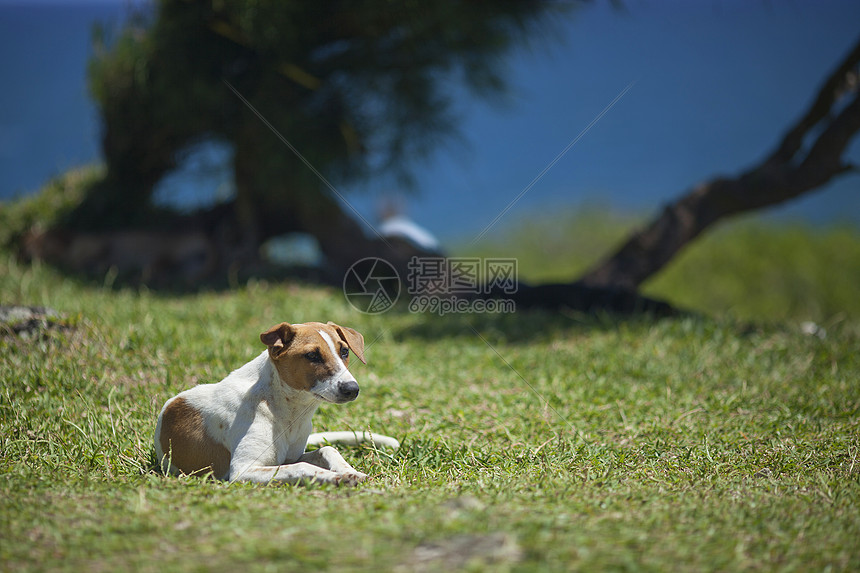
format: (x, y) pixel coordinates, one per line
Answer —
(464, 551)
(30, 321)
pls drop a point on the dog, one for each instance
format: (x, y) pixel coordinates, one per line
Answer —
(255, 424)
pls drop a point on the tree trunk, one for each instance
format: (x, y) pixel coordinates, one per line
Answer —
(262, 161)
(792, 170)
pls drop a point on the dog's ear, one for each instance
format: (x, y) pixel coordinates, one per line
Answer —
(353, 339)
(277, 338)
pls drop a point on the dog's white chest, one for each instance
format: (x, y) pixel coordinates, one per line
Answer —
(292, 437)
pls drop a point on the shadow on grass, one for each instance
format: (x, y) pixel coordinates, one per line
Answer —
(232, 279)
(526, 325)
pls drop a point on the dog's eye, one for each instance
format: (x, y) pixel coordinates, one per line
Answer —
(344, 352)
(314, 356)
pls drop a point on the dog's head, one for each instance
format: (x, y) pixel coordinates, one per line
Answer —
(314, 357)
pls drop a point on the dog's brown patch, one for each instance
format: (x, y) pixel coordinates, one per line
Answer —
(187, 445)
(353, 339)
(301, 339)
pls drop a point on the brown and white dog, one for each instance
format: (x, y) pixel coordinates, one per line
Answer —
(255, 424)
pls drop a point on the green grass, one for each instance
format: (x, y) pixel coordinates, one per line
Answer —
(745, 268)
(530, 441)
(52, 204)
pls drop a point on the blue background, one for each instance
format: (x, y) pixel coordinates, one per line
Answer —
(714, 85)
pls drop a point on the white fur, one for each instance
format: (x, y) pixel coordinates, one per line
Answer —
(352, 439)
(327, 388)
(265, 425)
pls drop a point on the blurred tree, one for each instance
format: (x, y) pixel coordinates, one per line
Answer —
(810, 154)
(360, 89)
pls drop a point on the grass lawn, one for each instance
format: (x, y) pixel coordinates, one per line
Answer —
(729, 440)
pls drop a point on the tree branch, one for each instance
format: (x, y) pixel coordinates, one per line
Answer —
(784, 175)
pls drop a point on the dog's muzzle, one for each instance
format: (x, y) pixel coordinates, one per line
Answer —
(347, 390)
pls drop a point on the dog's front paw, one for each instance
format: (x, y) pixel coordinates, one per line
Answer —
(350, 479)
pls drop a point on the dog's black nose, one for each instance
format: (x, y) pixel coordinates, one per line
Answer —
(348, 389)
